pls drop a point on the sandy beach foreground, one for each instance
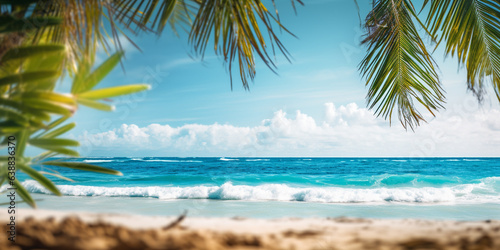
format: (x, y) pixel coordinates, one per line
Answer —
(43, 229)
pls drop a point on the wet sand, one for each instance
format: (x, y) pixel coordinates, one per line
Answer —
(43, 229)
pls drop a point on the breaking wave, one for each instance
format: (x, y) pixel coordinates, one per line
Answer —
(487, 191)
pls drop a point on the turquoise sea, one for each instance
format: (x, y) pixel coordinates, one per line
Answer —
(431, 188)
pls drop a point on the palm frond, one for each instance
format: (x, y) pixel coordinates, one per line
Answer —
(471, 31)
(152, 15)
(88, 24)
(233, 26)
(240, 29)
(398, 69)
(32, 113)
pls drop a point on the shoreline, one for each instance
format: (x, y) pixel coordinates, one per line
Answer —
(83, 230)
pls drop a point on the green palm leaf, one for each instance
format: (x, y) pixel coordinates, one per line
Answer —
(82, 166)
(21, 137)
(50, 107)
(10, 127)
(88, 82)
(29, 51)
(151, 15)
(398, 69)
(113, 91)
(61, 150)
(49, 96)
(12, 24)
(56, 122)
(59, 131)
(25, 195)
(57, 175)
(28, 77)
(16, 116)
(53, 142)
(470, 30)
(233, 27)
(48, 184)
(3, 173)
(95, 104)
(237, 27)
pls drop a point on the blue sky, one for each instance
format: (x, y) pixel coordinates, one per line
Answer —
(191, 110)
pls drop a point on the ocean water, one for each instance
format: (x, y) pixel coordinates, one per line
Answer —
(432, 188)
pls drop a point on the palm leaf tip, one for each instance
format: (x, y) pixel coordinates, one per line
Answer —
(83, 166)
(113, 91)
(238, 30)
(399, 71)
(24, 194)
(471, 30)
(44, 181)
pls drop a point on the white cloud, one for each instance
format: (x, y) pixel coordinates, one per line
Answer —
(345, 131)
(347, 115)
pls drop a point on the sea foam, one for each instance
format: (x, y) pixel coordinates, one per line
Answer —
(228, 159)
(469, 193)
(97, 161)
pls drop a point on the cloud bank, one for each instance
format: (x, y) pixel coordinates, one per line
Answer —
(346, 130)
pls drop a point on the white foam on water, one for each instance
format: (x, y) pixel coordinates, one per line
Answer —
(97, 161)
(228, 159)
(158, 160)
(483, 192)
(257, 160)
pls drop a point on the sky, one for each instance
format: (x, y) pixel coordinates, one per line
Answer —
(314, 106)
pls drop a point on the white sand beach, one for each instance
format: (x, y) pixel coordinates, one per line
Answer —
(46, 229)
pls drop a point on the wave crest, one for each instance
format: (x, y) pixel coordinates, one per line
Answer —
(281, 192)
